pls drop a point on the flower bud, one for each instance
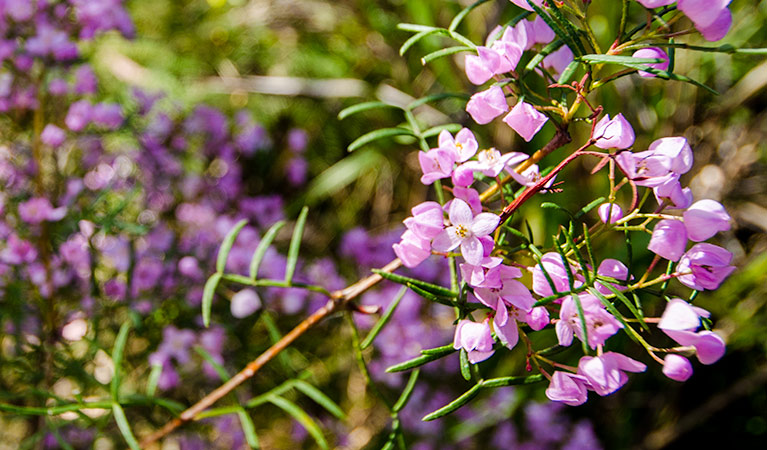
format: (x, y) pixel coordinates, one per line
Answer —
(677, 367)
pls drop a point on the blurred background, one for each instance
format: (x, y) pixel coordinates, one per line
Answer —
(253, 89)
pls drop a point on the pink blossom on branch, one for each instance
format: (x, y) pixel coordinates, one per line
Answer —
(486, 105)
(525, 120)
(465, 231)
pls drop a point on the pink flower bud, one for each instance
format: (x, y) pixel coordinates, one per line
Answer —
(567, 388)
(614, 133)
(487, 105)
(704, 219)
(709, 348)
(652, 52)
(677, 367)
(525, 120)
(612, 210)
(475, 338)
(427, 221)
(412, 250)
(669, 238)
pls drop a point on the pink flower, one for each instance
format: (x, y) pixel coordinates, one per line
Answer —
(614, 133)
(655, 53)
(53, 136)
(614, 269)
(610, 212)
(567, 388)
(669, 238)
(436, 163)
(490, 162)
(677, 367)
(666, 159)
(464, 145)
(673, 194)
(475, 338)
(703, 12)
(552, 262)
(525, 120)
(39, 209)
(605, 373)
(245, 303)
(680, 320)
(506, 291)
(704, 219)
(718, 28)
(470, 196)
(523, 3)
(538, 32)
(486, 105)
(463, 176)
(558, 60)
(655, 3)
(427, 221)
(704, 266)
(600, 324)
(465, 231)
(482, 66)
(412, 250)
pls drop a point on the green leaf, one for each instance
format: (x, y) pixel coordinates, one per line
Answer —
(568, 73)
(378, 134)
(381, 323)
(226, 246)
(362, 107)
(417, 37)
(207, 296)
(611, 308)
(405, 396)
(634, 311)
(546, 51)
(341, 174)
(444, 350)
(295, 245)
(248, 428)
(561, 34)
(320, 398)
(154, 378)
(465, 364)
(434, 131)
(582, 317)
(550, 205)
(434, 298)
(435, 97)
(301, 417)
(431, 288)
(415, 28)
(124, 427)
(455, 404)
(429, 57)
(421, 360)
(263, 246)
(461, 15)
(569, 28)
(512, 381)
(581, 212)
(117, 358)
(617, 59)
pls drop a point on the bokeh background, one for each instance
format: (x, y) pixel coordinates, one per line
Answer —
(290, 66)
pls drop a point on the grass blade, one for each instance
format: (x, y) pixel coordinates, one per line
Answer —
(207, 296)
(295, 245)
(362, 107)
(218, 368)
(383, 320)
(421, 360)
(117, 358)
(431, 288)
(122, 424)
(226, 246)
(429, 57)
(263, 246)
(378, 134)
(248, 428)
(455, 404)
(320, 398)
(405, 396)
(461, 15)
(301, 417)
(154, 378)
(512, 381)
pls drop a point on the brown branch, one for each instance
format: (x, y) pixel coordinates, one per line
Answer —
(341, 298)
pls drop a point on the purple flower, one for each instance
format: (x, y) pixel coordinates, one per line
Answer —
(552, 263)
(475, 338)
(107, 115)
(669, 238)
(487, 105)
(652, 53)
(677, 367)
(704, 219)
(525, 120)
(613, 133)
(567, 388)
(505, 291)
(245, 303)
(672, 194)
(718, 28)
(39, 209)
(298, 139)
(704, 266)
(680, 320)
(176, 343)
(79, 115)
(655, 3)
(610, 212)
(605, 373)
(53, 136)
(711, 17)
(524, 5)
(465, 231)
(85, 80)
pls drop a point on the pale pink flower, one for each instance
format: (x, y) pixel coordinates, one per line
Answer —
(704, 266)
(436, 163)
(475, 338)
(427, 220)
(600, 324)
(614, 133)
(486, 105)
(490, 162)
(465, 231)
(412, 250)
(609, 212)
(654, 53)
(614, 269)
(669, 239)
(525, 120)
(567, 388)
(704, 219)
(677, 367)
(606, 373)
(464, 145)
